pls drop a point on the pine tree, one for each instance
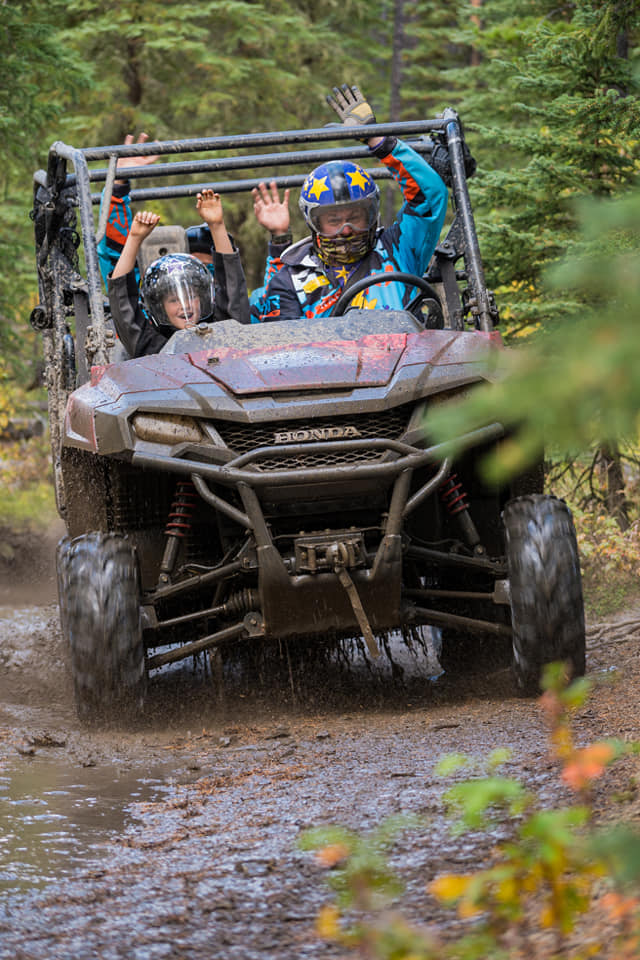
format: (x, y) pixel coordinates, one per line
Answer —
(215, 67)
(36, 72)
(555, 104)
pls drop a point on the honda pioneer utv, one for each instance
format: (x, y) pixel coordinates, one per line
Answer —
(253, 483)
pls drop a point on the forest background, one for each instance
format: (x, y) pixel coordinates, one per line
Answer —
(548, 94)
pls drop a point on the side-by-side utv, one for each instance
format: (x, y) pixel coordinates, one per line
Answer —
(269, 481)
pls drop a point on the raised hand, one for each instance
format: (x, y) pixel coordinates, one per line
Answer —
(125, 162)
(350, 105)
(209, 206)
(143, 224)
(271, 212)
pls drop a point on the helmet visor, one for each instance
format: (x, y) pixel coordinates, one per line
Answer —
(345, 219)
(183, 303)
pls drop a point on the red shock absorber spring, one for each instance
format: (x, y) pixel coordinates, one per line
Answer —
(181, 513)
(453, 495)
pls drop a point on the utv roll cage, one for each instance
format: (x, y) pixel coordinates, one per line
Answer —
(57, 192)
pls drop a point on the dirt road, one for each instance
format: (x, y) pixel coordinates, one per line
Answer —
(179, 839)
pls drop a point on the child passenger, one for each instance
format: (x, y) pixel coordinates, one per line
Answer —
(177, 290)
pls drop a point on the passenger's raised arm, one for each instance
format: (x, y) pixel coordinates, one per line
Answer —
(143, 224)
(209, 206)
(271, 212)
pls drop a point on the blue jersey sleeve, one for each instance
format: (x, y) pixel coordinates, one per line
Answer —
(416, 231)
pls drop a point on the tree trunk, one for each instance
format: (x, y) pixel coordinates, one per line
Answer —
(476, 56)
(397, 48)
(131, 71)
(616, 500)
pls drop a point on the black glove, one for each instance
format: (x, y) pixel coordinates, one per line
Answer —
(351, 106)
(441, 162)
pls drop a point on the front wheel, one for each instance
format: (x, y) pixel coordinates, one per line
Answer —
(547, 610)
(100, 613)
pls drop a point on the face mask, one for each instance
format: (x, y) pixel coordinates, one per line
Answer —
(338, 250)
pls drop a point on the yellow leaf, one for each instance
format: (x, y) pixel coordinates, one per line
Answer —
(562, 741)
(450, 886)
(547, 917)
(507, 890)
(467, 909)
(327, 923)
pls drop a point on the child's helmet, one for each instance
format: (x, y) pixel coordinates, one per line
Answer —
(333, 185)
(179, 275)
(199, 238)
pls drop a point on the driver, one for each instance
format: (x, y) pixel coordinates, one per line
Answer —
(340, 203)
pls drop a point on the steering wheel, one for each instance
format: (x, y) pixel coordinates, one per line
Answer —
(434, 319)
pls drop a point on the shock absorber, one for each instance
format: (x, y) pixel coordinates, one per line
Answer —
(456, 501)
(178, 526)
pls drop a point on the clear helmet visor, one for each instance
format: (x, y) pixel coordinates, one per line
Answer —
(185, 305)
(345, 219)
(178, 290)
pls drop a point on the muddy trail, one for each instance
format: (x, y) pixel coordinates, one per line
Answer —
(181, 838)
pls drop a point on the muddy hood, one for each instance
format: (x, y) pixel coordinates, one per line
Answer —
(368, 362)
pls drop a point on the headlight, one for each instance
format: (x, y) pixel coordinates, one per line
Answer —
(169, 429)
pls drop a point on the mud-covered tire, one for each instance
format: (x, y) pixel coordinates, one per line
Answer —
(61, 573)
(101, 616)
(547, 609)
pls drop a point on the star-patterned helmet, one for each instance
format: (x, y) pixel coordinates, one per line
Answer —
(340, 201)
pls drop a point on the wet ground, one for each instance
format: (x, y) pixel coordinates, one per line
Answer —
(180, 839)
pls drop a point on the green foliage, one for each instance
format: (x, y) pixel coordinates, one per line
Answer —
(450, 764)
(582, 384)
(36, 74)
(555, 869)
(360, 873)
(619, 848)
(609, 554)
(553, 106)
(26, 498)
(29, 507)
(26, 492)
(477, 803)
(277, 55)
(609, 560)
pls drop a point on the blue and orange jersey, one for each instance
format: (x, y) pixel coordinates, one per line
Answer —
(118, 226)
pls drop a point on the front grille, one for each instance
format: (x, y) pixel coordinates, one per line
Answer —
(301, 462)
(386, 425)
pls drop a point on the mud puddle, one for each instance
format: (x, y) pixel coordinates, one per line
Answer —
(58, 818)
